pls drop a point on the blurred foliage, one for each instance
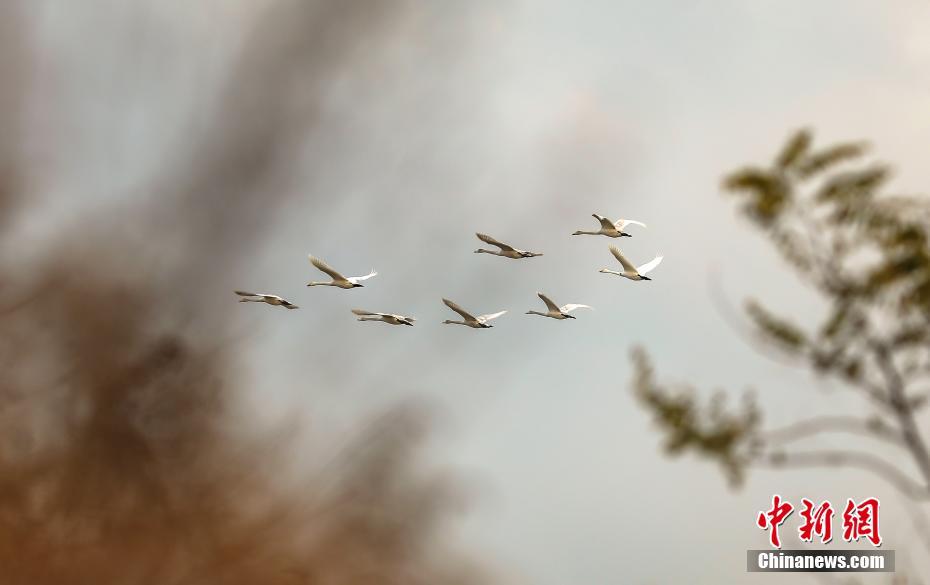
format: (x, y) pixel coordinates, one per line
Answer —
(867, 256)
(710, 432)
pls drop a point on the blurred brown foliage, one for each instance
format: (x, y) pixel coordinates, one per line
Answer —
(119, 462)
(868, 256)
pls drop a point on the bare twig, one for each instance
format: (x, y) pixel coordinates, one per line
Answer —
(834, 424)
(853, 459)
(903, 411)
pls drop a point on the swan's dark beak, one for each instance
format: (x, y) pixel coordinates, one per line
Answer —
(571, 316)
(645, 278)
(408, 323)
(625, 235)
(357, 285)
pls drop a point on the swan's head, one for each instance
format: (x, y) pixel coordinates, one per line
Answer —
(625, 235)
(407, 323)
(567, 316)
(447, 322)
(605, 271)
(357, 285)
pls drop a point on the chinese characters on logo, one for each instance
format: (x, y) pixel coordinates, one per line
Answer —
(859, 521)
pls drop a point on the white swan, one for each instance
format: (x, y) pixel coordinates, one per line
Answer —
(273, 300)
(383, 317)
(479, 322)
(505, 250)
(555, 311)
(611, 229)
(338, 279)
(629, 271)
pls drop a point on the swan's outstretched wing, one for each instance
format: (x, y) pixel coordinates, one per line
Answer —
(486, 318)
(362, 312)
(549, 304)
(356, 279)
(572, 306)
(648, 266)
(622, 223)
(324, 267)
(623, 261)
(465, 314)
(605, 223)
(266, 296)
(489, 240)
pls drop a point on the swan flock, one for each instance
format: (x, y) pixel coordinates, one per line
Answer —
(608, 227)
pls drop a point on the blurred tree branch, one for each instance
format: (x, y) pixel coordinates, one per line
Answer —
(865, 461)
(874, 428)
(868, 257)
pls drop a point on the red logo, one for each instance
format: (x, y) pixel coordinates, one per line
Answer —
(772, 519)
(817, 522)
(859, 520)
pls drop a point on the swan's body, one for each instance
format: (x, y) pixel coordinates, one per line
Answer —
(506, 250)
(338, 279)
(479, 322)
(611, 229)
(273, 300)
(556, 312)
(629, 271)
(383, 317)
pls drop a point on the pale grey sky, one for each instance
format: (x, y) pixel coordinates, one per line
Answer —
(520, 119)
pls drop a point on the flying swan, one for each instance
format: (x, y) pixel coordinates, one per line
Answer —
(629, 271)
(479, 322)
(383, 317)
(555, 311)
(338, 279)
(505, 250)
(273, 300)
(611, 229)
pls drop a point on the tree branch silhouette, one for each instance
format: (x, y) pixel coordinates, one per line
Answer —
(868, 257)
(864, 461)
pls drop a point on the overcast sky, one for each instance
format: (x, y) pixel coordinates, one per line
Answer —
(519, 119)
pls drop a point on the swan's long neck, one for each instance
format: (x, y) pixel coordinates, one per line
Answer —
(586, 233)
